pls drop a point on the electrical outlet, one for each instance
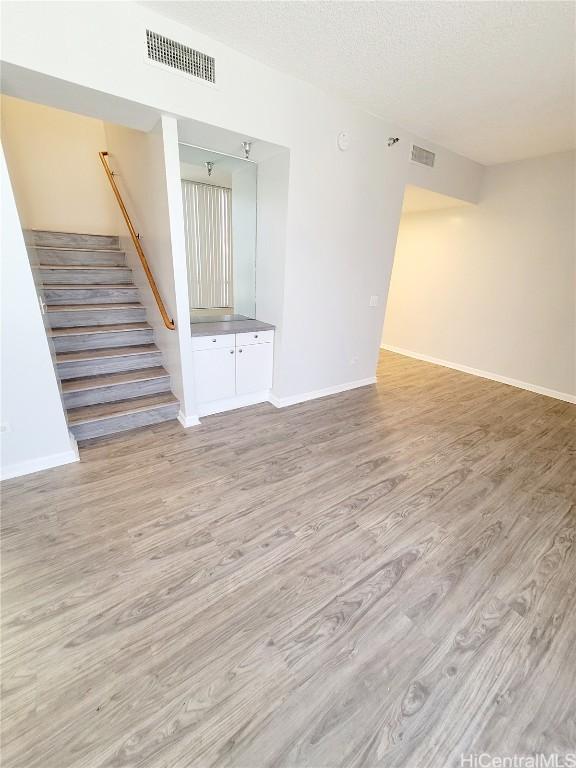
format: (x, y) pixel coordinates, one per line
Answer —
(373, 301)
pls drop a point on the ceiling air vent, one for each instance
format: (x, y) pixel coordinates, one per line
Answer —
(181, 57)
(422, 156)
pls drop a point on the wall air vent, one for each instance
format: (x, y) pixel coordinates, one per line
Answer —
(422, 156)
(181, 57)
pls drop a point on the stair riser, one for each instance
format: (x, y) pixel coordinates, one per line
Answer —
(78, 318)
(79, 258)
(75, 369)
(72, 240)
(117, 392)
(85, 276)
(115, 424)
(88, 341)
(90, 295)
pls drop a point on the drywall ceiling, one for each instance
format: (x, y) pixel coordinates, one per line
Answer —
(420, 199)
(493, 81)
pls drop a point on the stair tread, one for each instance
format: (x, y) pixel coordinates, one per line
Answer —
(108, 379)
(72, 248)
(90, 286)
(87, 329)
(120, 407)
(67, 232)
(96, 307)
(91, 354)
(85, 267)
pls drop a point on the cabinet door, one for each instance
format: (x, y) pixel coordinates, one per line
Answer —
(214, 371)
(253, 368)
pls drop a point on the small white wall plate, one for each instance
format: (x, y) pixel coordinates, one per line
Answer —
(343, 141)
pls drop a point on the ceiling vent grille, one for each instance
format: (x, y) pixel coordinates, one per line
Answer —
(181, 57)
(422, 156)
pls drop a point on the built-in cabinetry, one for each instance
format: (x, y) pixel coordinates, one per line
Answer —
(232, 369)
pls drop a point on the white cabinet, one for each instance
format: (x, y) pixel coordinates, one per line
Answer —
(253, 368)
(232, 370)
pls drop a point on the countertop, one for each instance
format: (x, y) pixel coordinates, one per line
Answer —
(229, 326)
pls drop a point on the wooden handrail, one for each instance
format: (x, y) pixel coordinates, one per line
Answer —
(135, 239)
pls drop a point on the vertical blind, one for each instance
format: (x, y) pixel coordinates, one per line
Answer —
(207, 222)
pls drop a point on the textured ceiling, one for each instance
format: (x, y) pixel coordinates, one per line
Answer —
(493, 81)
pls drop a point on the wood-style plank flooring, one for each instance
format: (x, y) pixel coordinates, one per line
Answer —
(385, 577)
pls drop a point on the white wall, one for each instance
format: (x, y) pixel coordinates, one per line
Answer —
(56, 174)
(492, 286)
(271, 226)
(244, 239)
(34, 431)
(343, 208)
(148, 176)
(271, 223)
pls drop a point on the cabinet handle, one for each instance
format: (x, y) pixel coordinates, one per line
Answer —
(239, 350)
(232, 351)
(255, 335)
(213, 341)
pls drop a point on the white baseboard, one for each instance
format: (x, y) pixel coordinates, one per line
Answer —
(219, 406)
(41, 463)
(568, 398)
(188, 421)
(74, 446)
(283, 402)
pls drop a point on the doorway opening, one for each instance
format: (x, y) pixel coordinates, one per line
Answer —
(419, 271)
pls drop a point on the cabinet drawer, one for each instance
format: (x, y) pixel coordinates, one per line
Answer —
(220, 341)
(254, 337)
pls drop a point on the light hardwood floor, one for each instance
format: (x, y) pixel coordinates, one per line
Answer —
(385, 577)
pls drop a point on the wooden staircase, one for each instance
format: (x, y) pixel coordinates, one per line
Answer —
(109, 367)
